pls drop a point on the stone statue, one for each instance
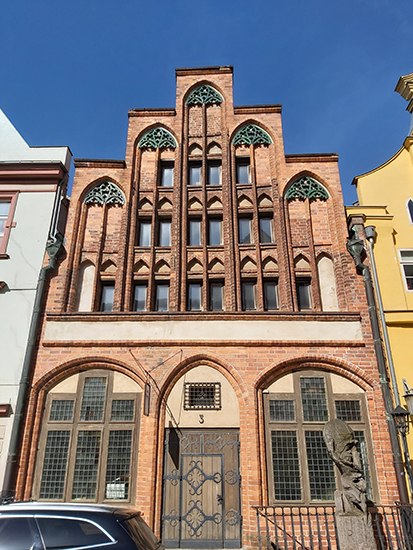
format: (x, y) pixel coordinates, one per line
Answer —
(354, 527)
(342, 448)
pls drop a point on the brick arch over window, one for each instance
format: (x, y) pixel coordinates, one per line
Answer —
(88, 436)
(157, 137)
(305, 186)
(296, 406)
(104, 192)
(251, 133)
(204, 93)
(202, 359)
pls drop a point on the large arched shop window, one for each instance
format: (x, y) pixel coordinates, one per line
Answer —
(89, 437)
(296, 408)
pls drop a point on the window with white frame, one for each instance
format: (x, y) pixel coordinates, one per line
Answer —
(300, 469)
(7, 207)
(406, 260)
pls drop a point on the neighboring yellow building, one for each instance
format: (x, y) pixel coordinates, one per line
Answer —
(385, 200)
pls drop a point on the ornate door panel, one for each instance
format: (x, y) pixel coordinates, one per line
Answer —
(201, 489)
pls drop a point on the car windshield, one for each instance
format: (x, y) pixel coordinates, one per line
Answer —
(140, 533)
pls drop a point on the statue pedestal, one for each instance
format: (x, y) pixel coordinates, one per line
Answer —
(355, 532)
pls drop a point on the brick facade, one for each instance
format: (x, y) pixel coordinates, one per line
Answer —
(160, 347)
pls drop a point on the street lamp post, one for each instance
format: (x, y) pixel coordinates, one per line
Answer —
(402, 421)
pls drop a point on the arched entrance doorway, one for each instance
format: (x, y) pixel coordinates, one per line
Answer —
(201, 483)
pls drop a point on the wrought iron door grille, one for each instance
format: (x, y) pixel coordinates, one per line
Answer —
(202, 395)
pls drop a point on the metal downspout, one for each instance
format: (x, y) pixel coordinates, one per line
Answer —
(387, 394)
(383, 323)
(53, 249)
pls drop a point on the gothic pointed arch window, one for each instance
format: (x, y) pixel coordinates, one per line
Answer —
(157, 138)
(251, 134)
(304, 188)
(105, 193)
(89, 437)
(204, 95)
(297, 406)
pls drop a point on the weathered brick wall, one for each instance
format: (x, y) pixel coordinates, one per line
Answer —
(250, 368)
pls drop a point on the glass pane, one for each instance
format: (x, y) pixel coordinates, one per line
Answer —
(362, 449)
(215, 237)
(86, 465)
(194, 297)
(216, 296)
(406, 255)
(243, 171)
(4, 208)
(93, 402)
(313, 399)
(270, 295)
(122, 410)
(4, 214)
(164, 233)
(61, 410)
(118, 464)
(282, 410)
(348, 410)
(303, 294)
(408, 272)
(54, 465)
(59, 533)
(17, 534)
(266, 230)
(195, 174)
(144, 233)
(140, 533)
(320, 467)
(167, 174)
(286, 465)
(139, 297)
(244, 228)
(248, 295)
(162, 297)
(214, 173)
(194, 232)
(106, 301)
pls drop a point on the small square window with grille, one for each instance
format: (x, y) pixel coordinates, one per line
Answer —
(122, 410)
(202, 395)
(282, 410)
(61, 410)
(348, 410)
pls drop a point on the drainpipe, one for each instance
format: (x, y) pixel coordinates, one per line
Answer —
(356, 248)
(370, 232)
(54, 248)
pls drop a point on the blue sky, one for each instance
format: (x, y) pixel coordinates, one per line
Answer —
(71, 70)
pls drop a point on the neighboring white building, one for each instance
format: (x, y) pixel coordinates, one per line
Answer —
(33, 183)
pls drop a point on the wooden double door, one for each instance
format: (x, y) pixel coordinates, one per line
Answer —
(201, 494)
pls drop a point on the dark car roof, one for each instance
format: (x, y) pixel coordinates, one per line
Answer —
(72, 507)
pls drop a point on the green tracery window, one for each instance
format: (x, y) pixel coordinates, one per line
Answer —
(157, 138)
(105, 192)
(251, 134)
(204, 95)
(306, 188)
